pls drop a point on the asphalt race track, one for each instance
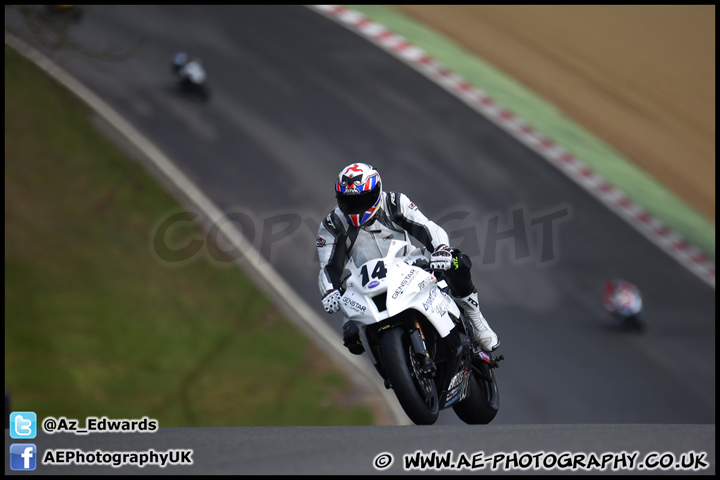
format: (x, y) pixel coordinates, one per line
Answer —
(295, 97)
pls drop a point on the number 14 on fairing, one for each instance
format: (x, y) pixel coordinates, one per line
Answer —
(378, 272)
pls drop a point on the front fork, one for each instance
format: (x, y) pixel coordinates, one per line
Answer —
(427, 366)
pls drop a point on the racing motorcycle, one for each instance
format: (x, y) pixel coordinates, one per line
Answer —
(191, 78)
(418, 339)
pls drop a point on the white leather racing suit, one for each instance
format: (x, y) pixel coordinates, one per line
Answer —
(338, 241)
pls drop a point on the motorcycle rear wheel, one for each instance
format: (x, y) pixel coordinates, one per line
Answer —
(483, 400)
(416, 393)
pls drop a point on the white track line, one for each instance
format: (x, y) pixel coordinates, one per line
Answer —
(651, 227)
(303, 316)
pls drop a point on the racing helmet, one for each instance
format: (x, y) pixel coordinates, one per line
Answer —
(358, 190)
(180, 58)
(621, 297)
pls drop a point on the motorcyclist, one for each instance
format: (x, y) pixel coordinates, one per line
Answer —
(183, 64)
(362, 226)
(623, 301)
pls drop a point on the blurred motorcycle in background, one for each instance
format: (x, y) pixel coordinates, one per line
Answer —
(191, 75)
(623, 301)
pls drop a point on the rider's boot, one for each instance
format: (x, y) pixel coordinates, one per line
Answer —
(482, 333)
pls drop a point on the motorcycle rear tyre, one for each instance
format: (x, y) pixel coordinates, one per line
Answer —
(483, 401)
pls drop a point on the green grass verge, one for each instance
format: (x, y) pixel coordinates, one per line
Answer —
(95, 325)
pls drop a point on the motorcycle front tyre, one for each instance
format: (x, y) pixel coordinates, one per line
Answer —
(421, 407)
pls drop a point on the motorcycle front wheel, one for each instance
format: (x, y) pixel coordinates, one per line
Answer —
(416, 392)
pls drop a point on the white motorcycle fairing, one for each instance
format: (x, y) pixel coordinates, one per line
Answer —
(384, 287)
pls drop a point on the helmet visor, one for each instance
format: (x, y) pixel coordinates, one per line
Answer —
(355, 204)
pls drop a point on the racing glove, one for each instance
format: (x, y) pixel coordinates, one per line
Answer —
(441, 259)
(331, 301)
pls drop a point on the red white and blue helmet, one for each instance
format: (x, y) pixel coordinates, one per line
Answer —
(622, 297)
(358, 191)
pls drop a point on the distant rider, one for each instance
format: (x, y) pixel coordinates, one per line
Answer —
(362, 226)
(184, 66)
(623, 301)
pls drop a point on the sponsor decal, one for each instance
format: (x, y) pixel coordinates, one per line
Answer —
(431, 298)
(455, 389)
(353, 305)
(373, 284)
(442, 306)
(321, 242)
(404, 282)
(425, 283)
